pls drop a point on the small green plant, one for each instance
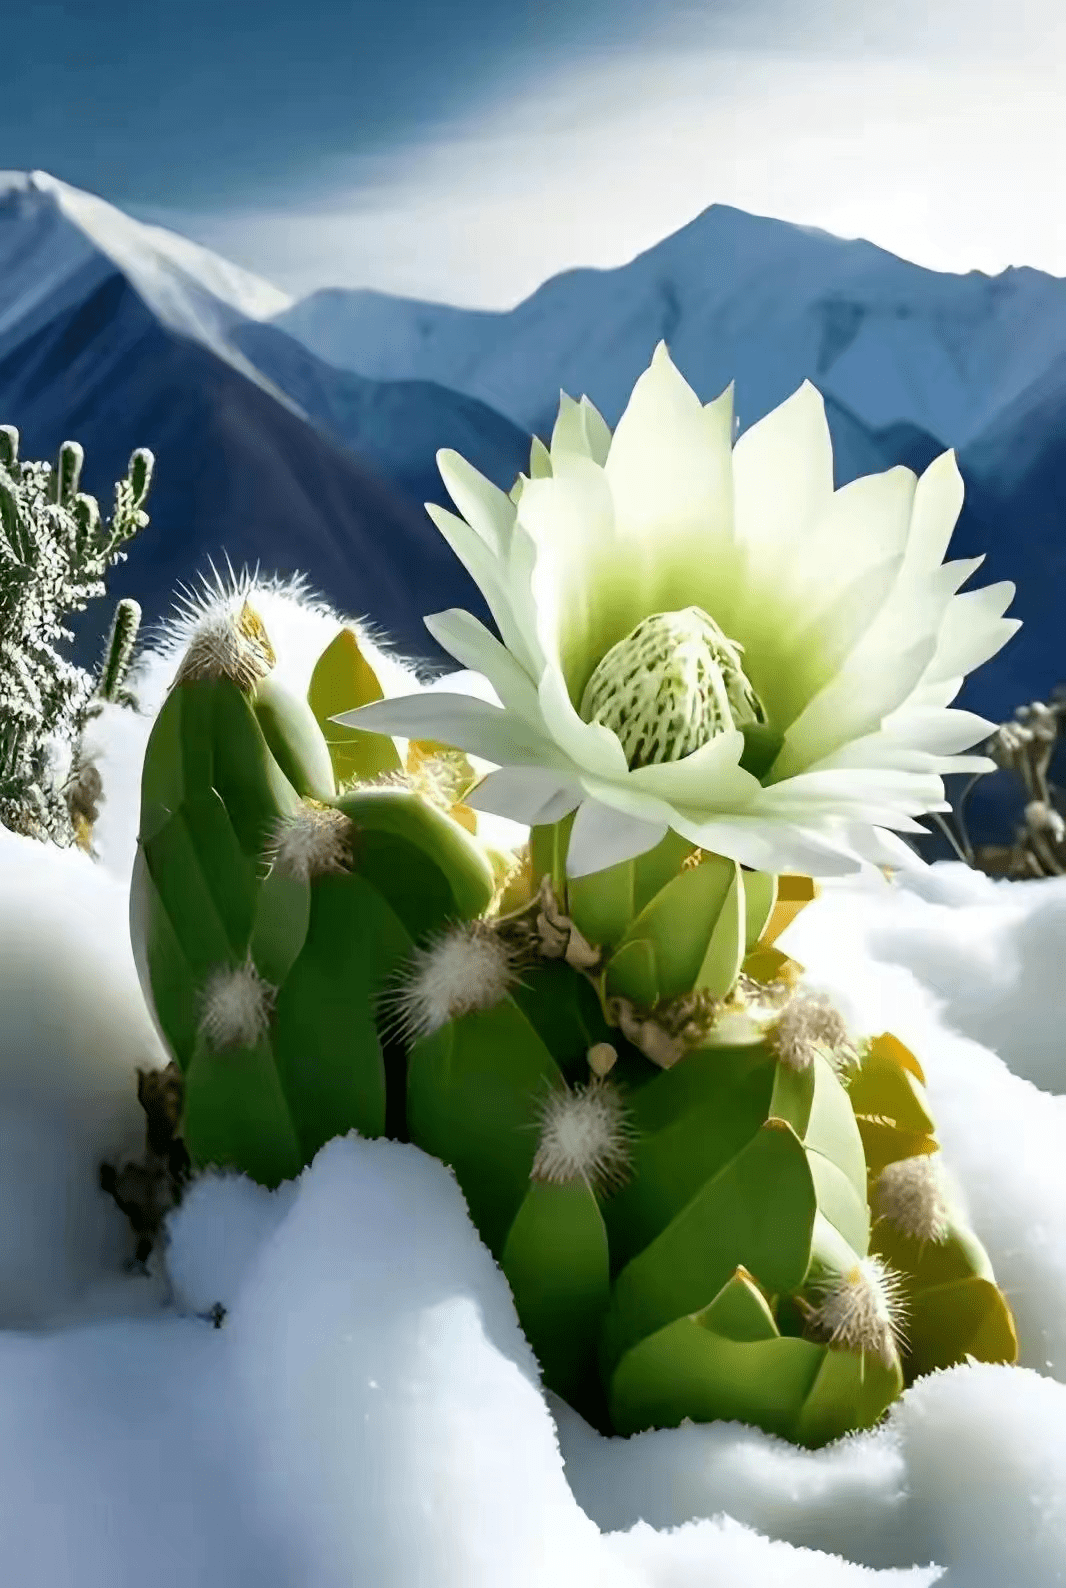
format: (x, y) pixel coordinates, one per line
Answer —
(54, 552)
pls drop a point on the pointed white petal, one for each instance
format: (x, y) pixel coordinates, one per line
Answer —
(973, 630)
(937, 505)
(771, 845)
(470, 642)
(460, 720)
(597, 433)
(603, 837)
(782, 477)
(670, 475)
(587, 594)
(588, 745)
(489, 574)
(484, 506)
(540, 460)
(531, 795)
(711, 778)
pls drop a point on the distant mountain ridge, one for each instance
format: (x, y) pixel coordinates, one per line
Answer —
(910, 361)
(272, 450)
(120, 335)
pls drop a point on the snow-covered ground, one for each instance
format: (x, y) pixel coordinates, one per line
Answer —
(369, 1413)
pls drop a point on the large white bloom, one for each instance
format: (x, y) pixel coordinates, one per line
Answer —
(709, 638)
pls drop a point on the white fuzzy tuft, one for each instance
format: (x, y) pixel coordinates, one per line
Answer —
(913, 1197)
(863, 1310)
(236, 1005)
(809, 1024)
(228, 645)
(584, 1135)
(313, 842)
(468, 967)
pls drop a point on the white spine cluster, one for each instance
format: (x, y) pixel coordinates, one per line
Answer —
(468, 967)
(863, 1310)
(227, 644)
(808, 1024)
(314, 841)
(235, 1007)
(584, 1134)
(912, 1196)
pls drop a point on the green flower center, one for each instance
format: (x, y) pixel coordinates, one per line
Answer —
(670, 686)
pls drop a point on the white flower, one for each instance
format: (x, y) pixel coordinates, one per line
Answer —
(708, 638)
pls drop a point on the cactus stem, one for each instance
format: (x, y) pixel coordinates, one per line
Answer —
(863, 1310)
(314, 841)
(809, 1024)
(911, 1195)
(235, 1007)
(467, 967)
(584, 1135)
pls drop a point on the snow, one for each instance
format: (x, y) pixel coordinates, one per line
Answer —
(64, 242)
(369, 1412)
(734, 295)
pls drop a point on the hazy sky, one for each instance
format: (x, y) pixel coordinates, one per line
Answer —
(467, 149)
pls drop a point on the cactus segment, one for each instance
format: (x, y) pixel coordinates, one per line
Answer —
(475, 1089)
(852, 1390)
(295, 738)
(556, 1262)
(236, 1115)
(760, 898)
(758, 1211)
(662, 953)
(954, 1307)
(392, 827)
(726, 1361)
(324, 1039)
(342, 680)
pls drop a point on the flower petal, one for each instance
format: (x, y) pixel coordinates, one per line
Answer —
(470, 642)
(709, 779)
(586, 592)
(463, 721)
(484, 506)
(771, 845)
(602, 836)
(782, 478)
(589, 745)
(531, 795)
(973, 629)
(670, 474)
(489, 574)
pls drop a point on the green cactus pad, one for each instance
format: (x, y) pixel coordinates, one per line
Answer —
(237, 1116)
(757, 1211)
(295, 738)
(475, 1091)
(952, 1304)
(427, 866)
(556, 1262)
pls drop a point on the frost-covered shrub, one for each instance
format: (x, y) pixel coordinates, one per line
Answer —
(54, 551)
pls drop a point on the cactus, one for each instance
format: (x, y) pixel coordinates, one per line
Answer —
(54, 552)
(709, 1199)
(268, 913)
(674, 1161)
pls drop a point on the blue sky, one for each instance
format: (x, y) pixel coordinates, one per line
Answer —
(467, 149)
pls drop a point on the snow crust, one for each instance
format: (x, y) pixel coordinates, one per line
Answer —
(369, 1412)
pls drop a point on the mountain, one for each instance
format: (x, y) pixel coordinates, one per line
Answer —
(736, 296)
(910, 361)
(121, 335)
